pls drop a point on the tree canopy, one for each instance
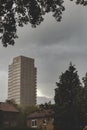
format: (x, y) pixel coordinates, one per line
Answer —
(14, 13)
(70, 101)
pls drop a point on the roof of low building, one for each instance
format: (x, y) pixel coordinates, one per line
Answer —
(41, 114)
(7, 107)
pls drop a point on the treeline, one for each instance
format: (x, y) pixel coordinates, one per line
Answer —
(70, 101)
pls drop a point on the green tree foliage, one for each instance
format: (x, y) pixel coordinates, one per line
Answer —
(46, 106)
(81, 2)
(24, 112)
(84, 106)
(68, 101)
(14, 13)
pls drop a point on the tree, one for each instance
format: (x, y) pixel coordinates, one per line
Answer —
(46, 106)
(68, 95)
(25, 110)
(84, 106)
(81, 2)
(14, 13)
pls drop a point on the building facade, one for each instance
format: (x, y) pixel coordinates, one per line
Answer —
(8, 115)
(41, 120)
(22, 81)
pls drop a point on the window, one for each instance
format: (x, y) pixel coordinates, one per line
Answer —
(45, 122)
(34, 123)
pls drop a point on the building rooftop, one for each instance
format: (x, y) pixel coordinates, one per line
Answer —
(7, 107)
(41, 114)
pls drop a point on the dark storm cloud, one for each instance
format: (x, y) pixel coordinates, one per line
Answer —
(51, 32)
(53, 45)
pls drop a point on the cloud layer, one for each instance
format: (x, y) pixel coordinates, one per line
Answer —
(53, 45)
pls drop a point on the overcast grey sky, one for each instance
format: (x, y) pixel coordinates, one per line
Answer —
(53, 45)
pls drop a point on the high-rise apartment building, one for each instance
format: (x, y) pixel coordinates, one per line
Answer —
(22, 81)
